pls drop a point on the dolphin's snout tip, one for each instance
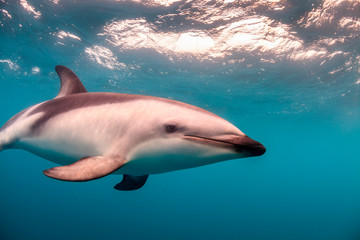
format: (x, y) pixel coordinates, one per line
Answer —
(252, 147)
(254, 150)
(258, 150)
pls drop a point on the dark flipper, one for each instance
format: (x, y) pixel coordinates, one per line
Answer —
(131, 182)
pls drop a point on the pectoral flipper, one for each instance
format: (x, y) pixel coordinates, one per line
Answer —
(86, 169)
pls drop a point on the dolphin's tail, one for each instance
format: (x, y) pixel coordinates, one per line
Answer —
(5, 141)
(2, 140)
(13, 129)
(1, 144)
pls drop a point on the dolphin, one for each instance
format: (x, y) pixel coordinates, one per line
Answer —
(95, 134)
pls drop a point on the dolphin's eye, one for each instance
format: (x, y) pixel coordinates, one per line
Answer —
(170, 128)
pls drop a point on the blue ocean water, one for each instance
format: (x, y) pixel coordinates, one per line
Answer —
(286, 72)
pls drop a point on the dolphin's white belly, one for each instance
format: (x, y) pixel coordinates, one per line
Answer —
(59, 151)
(76, 134)
(150, 157)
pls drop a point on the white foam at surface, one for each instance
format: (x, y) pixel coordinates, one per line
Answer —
(12, 65)
(104, 57)
(63, 34)
(6, 13)
(30, 9)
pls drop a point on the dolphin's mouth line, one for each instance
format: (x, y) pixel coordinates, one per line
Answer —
(210, 141)
(238, 144)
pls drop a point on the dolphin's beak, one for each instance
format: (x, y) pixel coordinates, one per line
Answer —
(240, 144)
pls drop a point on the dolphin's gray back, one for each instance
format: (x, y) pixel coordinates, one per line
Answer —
(57, 106)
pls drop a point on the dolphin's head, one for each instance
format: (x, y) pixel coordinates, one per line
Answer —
(179, 136)
(212, 131)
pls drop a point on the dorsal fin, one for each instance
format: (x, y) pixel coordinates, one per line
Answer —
(70, 83)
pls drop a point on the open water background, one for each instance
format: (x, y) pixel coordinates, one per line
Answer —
(286, 72)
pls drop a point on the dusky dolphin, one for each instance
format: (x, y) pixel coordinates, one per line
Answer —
(96, 134)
